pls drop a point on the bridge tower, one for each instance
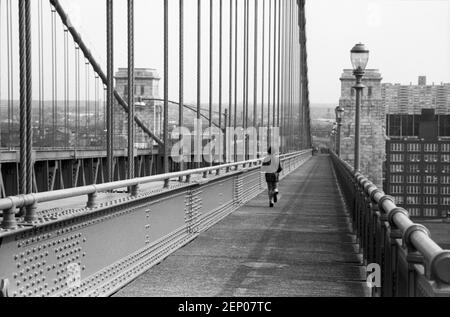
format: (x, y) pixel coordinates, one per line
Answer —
(373, 124)
(149, 111)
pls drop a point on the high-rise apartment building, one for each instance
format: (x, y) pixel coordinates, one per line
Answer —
(417, 168)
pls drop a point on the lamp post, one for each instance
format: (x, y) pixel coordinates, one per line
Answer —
(339, 116)
(333, 136)
(359, 58)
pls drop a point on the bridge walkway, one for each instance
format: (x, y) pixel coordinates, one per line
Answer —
(302, 247)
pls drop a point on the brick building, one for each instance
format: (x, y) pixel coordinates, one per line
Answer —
(417, 169)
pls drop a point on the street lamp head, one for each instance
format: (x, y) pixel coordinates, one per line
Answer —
(359, 57)
(339, 113)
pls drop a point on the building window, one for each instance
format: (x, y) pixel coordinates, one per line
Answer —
(397, 179)
(397, 158)
(414, 168)
(414, 179)
(414, 212)
(430, 179)
(445, 158)
(430, 158)
(445, 180)
(397, 168)
(444, 125)
(396, 189)
(430, 190)
(399, 200)
(397, 147)
(431, 148)
(413, 147)
(352, 93)
(142, 90)
(407, 125)
(430, 200)
(125, 90)
(430, 212)
(414, 158)
(430, 169)
(395, 124)
(445, 148)
(445, 190)
(446, 169)
(370, 92)
(413, 200)
(445, 201)
(413, 190)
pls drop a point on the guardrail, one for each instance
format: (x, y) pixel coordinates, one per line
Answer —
(412, 263)
(97, 249)
(11, 205)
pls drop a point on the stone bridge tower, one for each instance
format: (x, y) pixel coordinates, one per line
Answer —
(150, 112)
(373, 124)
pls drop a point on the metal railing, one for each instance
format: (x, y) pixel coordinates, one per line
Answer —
(11, 205)
(412, 264)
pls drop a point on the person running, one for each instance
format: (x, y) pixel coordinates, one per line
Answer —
(271, 166)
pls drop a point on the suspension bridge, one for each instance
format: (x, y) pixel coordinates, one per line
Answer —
(92, 199)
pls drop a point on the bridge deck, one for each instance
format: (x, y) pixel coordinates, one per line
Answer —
(302, 247)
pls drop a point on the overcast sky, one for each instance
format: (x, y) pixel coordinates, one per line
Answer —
(407, 38)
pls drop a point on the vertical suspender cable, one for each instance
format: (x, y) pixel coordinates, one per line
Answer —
(263, 60)
(246, 51)
(42, 119)
(279, 64)
(1, 40)
(255, 70)
(236, 23)
(23, 100)
(244, 64)
(110, 89)
(199, 64)
(181, 78)
(9, 63)
(230, 74)
(131, 104)
(211, 69)
(274, 103)
(166, 87)
(220, 73)
(29, 109)
(86, 100)
(220, 61)
(269, 72)
(53, 78)
(77, 95)
(66, 88)
(40, 44)
(211, 60)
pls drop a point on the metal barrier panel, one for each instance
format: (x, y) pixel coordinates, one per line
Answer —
(411, 263)
(96, 251)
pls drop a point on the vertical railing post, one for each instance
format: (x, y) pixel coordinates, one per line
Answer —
(9, 221)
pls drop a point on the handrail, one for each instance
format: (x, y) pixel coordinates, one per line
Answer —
(416, 237)
(10, 204)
